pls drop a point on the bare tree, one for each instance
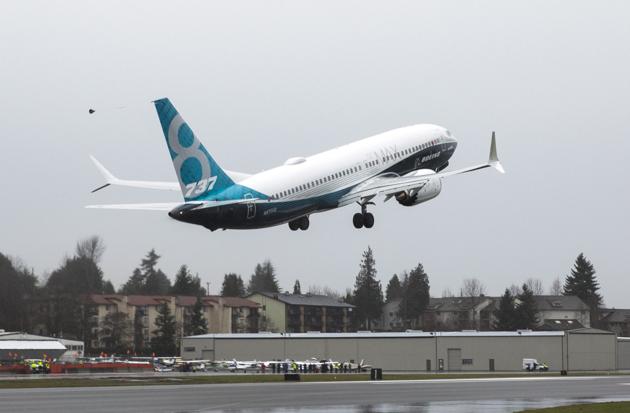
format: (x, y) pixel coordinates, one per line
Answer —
(325, 290)
(472, 287)
(535, 285)
(515, 290)
(447, 292)
(91, 248)
(556, 287)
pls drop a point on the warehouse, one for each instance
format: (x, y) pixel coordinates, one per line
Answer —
(623, 353)
(582, 349)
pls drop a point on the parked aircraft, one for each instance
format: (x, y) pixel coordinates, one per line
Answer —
(406, 164)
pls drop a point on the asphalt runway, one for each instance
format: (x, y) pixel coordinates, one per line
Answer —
(458, 395)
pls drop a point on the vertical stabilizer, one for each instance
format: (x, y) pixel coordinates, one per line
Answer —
(198, 173)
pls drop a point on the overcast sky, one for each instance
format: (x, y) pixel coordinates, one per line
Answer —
(260, 82)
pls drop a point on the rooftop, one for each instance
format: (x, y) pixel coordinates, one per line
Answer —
(410, 334)
(306, 299)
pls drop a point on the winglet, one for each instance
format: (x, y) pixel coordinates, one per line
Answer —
(109, 177)
(493, 160)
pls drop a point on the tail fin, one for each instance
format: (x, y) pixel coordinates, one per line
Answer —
(198, 173)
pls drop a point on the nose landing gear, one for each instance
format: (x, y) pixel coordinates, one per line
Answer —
(363, 218)
(301, 223)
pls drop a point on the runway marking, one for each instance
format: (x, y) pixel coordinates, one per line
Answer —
(444, 381)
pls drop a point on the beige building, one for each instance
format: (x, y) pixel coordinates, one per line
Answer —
(223, 314)
(477, 313)
(299, 313)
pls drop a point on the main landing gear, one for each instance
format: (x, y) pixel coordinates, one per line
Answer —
(363, 218)
(300, 223)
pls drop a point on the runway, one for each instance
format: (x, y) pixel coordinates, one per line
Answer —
(459, 395)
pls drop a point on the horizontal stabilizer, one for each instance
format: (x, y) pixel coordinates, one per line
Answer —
(160, 206)
(110, 179)
(167, 206)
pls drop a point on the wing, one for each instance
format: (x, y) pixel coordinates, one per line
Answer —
(390, 184)
(168, 206)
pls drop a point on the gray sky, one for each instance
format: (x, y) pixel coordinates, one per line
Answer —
(260, 82)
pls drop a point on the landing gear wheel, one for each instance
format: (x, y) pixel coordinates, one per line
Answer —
(304, 223)
(357, 220)
(294, 225)
(368, 220)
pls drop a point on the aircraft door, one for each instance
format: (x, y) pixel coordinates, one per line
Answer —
(251, 207)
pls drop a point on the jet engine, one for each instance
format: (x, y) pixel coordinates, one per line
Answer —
(427, 192)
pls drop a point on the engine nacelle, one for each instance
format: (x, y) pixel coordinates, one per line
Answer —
(429, 191)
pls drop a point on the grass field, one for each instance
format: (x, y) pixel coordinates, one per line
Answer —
(88, 381)
(614, 407)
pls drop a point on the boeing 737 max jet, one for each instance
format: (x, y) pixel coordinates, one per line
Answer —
(405, 164)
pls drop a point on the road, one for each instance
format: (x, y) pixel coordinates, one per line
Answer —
(311, 397)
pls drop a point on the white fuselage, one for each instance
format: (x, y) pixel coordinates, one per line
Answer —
(347, 165)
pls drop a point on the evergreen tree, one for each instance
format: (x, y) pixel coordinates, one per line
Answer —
(148, 280)
(76, 277)
(368, 294)
(506, 313)
(108, 287)
(197, 323)
(394, 289)
(526, 309)
(264, 279)
(163, 341)
(139, 344)
(583, 283)
(297, 289)
(18, 287)
(233, 286)
(135, 283)
(114, 330)
(187, 284)
(415, 295)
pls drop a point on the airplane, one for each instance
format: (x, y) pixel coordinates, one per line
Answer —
(406, 164)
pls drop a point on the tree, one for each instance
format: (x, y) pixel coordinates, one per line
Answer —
(66, 285)
(163, 341)
(197, 324)
(91, 248)
(135, 283)
(114, 331)
(526, 309)
(583, 283)
(556, 287)
(515, 290)
(147, 280)
(264, 279)
(108, 288)
(368, 294)
(535, 286)
(415, 295)
(506, 313)
(472, 287)
(394, 289)
(325, 290)
(187, 284)
(232, 286)
(17, 289)
(447, 293)
(297, 289)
